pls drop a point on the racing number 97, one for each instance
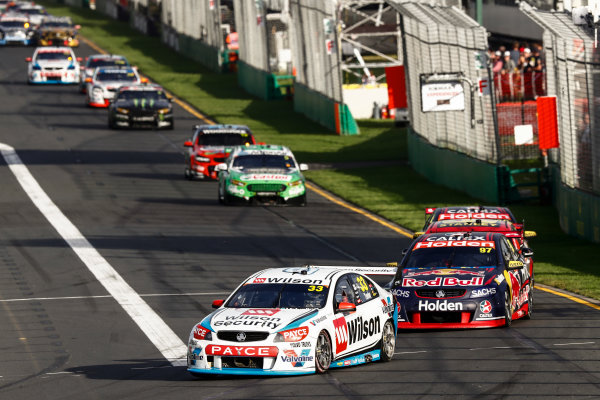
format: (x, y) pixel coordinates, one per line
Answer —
(485, 249)
(314, 288)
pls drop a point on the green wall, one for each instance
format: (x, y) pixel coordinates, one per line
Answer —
(200, 52)
(454, 170)
(579, 212)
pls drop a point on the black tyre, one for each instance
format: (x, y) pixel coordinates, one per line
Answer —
(187, 174)
(388, 341)
(529, 303)
(507, 309)
(323, 353)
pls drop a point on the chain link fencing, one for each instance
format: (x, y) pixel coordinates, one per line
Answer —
(573, 75)
(445, 57)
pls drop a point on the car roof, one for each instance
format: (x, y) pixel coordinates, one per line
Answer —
(115, 69)
(54, 49)
(106, 56)
(221, 128)
(262, 149)
(313, 275)
(141, 88)
(459, 239)
(475, 212)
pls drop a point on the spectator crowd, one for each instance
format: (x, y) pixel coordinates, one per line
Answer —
(518, 72)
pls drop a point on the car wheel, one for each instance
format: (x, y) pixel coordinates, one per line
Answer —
(226, 198)
(529, 303)
(507, 309)
(388, 342)
(302, 202)
(187, 174)
(323, 354)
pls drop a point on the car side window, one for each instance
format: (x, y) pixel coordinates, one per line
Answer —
(507, 251)
(344, 291)
(364, 288)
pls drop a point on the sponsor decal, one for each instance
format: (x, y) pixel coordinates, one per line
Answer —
(483, 292)
(266, 177)
(401, 293)
(252, 317)
(471, 215)
(300, 344)
(411, 282)
(387, 308)
(485, 307)
(241, 351)
(318, 320)
(341, 334)
(499, 279)
(426, 305)
(447, 271)
(200, 332)
(307, 281)
(350, 332)
(295, 359)
(463, 224)
(261, 311)
(454, 243)
(295, 335)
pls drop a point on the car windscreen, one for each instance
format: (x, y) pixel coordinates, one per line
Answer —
(263, 161)
(279, 295)
(224, 139)
(31, 11)
(139, 95)
(54, 25)
(12, 24)
(445, 257)
(105, 62)
(116, 76)
(55, 55)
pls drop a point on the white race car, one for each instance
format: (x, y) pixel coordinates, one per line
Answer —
(105, 82)
(53, 65)
(293, 321)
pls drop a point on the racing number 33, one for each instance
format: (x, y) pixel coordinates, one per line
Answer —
(314, 288)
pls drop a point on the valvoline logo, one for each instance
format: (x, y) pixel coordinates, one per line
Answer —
(295, 359)
(341, 334)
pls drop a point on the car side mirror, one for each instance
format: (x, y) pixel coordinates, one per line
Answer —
(144, 80)
(417, 234)
(526, 252)
(404, 251)
(346, 307)
(88, 80)
(188, 143)
(28, 59)
(515, 265)
(77, 26)
(303, 167)
(79, 59)
(217, 303)
(221, 167)
(529, 234)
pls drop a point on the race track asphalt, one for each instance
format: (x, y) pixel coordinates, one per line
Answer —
(62, 336)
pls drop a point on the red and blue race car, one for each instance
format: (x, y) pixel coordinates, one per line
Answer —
(433, 214)
(462, 280)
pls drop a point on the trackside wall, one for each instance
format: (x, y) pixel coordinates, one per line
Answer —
(453, 169)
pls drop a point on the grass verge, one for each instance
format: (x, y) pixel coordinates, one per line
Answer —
(394, 192)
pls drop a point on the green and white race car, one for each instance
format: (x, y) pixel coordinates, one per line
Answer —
(266, 174)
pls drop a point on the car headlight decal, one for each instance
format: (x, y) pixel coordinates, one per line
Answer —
(202, 159)
(121, 110)
(164, 111)
(296, 183)
(238, 183)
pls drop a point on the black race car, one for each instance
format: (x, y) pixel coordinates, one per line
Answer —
(141, 106)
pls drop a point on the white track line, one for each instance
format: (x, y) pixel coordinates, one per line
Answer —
(159, 333)
(107, 296)
(572, 344)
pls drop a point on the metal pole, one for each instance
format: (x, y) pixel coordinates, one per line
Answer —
(478, 8)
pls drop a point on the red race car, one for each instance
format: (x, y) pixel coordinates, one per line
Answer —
(210, 145)
(433, 214)
(514, 232)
